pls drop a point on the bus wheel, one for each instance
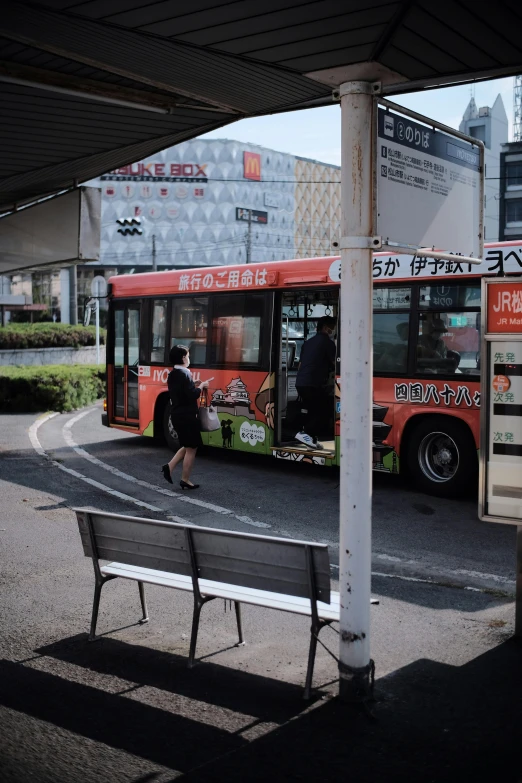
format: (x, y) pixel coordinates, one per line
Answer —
(171, 436)
(441, 457)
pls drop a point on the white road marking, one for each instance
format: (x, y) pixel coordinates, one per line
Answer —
(183, 498)
(67, 434)
(446, 575)
(37, 446)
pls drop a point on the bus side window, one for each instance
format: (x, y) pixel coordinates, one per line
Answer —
(237, 329)
(390, 342)
(159, 330)
(448, 342)
(189, 326)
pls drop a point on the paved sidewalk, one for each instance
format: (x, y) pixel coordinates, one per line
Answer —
(448, 694)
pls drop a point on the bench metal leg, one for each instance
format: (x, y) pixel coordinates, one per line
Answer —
(198, 606)
(311, 661)
(239, 625)
(95, 607)
(141, 588)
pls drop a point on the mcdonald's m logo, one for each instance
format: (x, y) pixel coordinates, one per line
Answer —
(252, 165)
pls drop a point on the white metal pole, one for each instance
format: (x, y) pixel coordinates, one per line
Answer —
(518, 593)
(97, 302)
(356, 391)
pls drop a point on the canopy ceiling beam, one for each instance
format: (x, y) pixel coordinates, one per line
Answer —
(95, 90)
(113, 50)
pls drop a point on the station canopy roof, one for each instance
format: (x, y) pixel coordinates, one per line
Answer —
(91, 85)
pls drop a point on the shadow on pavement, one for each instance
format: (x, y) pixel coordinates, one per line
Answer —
(433, 723)
(239, 691)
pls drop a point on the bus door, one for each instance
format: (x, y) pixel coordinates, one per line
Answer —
(299, 312)
(126, 331)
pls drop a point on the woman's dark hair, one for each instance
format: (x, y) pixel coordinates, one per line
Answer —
(177, 352)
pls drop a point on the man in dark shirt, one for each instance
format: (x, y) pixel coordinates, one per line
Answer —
(316, 362)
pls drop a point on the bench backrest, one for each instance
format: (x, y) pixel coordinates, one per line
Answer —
(278, 565)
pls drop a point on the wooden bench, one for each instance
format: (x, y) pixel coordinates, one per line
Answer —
(276, 573)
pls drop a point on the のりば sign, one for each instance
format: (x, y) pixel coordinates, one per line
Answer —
(429, 186)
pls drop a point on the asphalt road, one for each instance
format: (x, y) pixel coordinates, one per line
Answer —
(414, 535)
(126, 709)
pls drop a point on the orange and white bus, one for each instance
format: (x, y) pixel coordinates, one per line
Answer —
(245, 327)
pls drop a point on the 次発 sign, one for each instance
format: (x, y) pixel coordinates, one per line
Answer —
(429, 187)
(501, 411)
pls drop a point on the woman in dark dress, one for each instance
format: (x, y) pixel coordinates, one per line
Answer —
(184, 397)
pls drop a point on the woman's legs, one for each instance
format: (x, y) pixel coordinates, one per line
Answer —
(188, 464)
(176, 459)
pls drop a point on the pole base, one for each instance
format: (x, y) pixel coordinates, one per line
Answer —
(356, 684)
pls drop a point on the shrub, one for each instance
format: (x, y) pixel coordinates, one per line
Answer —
(50, 387)
(48, 335)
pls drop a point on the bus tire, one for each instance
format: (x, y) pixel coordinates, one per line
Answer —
(441, 457)
(171, 436)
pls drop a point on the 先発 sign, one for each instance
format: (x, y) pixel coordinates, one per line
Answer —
(429, 187)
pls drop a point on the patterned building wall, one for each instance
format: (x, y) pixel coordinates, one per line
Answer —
(317, 207)
(187, 196)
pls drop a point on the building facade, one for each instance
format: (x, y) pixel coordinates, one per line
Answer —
(511, 191)
(489, 124)
(217, 202)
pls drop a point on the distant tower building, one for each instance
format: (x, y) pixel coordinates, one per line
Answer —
(517, 109)
(489, 125)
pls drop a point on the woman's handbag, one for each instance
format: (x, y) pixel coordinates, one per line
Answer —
(208, 418)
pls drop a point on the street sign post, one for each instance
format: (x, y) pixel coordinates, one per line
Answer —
(445, 214)
(500, 487)
(99, 291)
(429, 186)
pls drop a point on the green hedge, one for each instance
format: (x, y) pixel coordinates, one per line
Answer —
(47, 335)
(50, 387)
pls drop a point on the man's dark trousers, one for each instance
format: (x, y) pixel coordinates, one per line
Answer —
(314, 400)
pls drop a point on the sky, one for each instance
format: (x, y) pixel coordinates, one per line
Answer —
(316, 133)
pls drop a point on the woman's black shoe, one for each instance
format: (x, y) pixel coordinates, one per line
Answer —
(184, 485)
(166, 473)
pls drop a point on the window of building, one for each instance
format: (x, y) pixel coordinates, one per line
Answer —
(513, 210)
(390, 342)
(478, 132)
(514, 174)
(159, 330)
(188, 326)
(237, 329)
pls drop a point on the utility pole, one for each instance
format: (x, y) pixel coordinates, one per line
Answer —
(249, 238)
(154, 264)
(73, 296)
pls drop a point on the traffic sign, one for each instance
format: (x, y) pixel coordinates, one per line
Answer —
(430, 183)
(99, 286)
